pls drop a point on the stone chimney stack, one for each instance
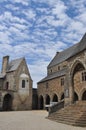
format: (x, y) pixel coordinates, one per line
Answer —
(5, 63)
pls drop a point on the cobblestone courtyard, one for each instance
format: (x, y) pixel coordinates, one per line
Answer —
(30, 120)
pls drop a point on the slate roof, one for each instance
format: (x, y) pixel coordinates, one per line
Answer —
(65, 55)
(68, 53)
(13, 65)
(54, 75)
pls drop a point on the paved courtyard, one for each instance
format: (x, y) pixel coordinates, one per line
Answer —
(31, 120)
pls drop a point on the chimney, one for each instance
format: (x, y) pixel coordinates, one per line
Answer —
(5, 63)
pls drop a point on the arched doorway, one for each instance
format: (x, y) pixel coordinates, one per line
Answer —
(75, 96)
(41, 103)
(35, 102)
(55, 98)
(62, 97)
(7, 102)
(47, 99)
(77, 69)
(84, 96)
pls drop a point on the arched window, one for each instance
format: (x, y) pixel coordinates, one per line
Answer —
(23, 83)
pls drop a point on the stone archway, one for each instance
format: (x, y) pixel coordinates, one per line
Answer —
(7, 102)
(75, 72)
(55, 98)
(62, 96)
(47, 100)
(76, 96)
(41, 102)
(84, 95)
(35, 102)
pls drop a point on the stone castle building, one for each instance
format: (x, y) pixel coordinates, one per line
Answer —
(15, 85)
(66, 77)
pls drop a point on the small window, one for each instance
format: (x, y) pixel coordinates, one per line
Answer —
(23, 83)
(64, 66)
(51, 70)
(7, 85)
(84, 76)
(58, 67)
(46, 85)
(62, 81)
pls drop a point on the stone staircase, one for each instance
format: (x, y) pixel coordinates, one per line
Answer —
(74, 114)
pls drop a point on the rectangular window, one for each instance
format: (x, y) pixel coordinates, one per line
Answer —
(62, 81)
(23, 83)
(46, 85)
(58, 67)
(7, 85)
(84, 76)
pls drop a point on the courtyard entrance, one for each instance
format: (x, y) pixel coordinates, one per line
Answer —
(35, 102)
(7, 102)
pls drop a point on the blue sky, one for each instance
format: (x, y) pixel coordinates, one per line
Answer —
(37, 29)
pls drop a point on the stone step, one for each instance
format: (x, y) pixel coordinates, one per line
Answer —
(71, 122)
(73, 115)
(65, 118)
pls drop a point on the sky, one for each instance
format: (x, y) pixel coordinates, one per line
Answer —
(37, 29)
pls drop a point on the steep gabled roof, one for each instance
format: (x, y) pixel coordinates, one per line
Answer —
(68, 53)
(14, 64)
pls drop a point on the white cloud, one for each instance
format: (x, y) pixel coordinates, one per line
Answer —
(38, 32)
(30, 14)
(8, 17)
(23, 2)
(36, 68)
(4, 37)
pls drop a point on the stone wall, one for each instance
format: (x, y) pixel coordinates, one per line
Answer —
(73, 80)
(21, 97)
(54, 87)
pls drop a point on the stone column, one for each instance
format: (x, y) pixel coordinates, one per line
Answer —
(68, 90)
(71, 90)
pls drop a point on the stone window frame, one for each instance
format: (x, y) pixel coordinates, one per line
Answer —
(62, 81)
(7, 85)
(23, 83)
(84, 76)
(59, 67)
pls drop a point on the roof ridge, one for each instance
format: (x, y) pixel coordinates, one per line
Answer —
(17, 59)
(69, 52)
